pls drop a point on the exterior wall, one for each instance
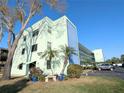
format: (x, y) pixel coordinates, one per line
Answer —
(57, 36)
(73, 42)
(99, 57)
(85, 54)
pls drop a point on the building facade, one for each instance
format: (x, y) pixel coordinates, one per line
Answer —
(39, 37)
(85, 55)
(99, 56)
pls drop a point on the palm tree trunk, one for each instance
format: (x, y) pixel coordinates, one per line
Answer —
(63, 69)
(64, 65)
(50, 59)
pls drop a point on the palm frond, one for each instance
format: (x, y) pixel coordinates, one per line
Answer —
(68, 51)
(49, 54)
(73, 51)
(45, 53)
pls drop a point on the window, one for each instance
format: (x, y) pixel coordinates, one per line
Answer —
(24, 38)
(49, 31)
(48, 45)
(20, 66)
(34, 47)
(32, 65)
(35, 33)
(23, 51)
(48, 64)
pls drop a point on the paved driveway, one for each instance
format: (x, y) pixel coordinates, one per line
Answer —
(118, 72)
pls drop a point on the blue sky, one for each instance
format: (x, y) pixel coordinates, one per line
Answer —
(100, 24)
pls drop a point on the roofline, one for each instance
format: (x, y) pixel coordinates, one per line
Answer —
(84, 47)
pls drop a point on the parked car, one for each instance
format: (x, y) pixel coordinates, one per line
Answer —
(123, 65)
(119, 65)
(105, 67)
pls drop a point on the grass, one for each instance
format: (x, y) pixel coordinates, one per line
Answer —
(82, 85)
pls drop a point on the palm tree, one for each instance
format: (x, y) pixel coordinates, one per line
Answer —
(49, 54)
(67, 53)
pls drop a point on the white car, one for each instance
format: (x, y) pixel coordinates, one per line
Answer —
(105, 67)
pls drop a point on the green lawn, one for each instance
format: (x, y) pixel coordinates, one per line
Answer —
(82, 85)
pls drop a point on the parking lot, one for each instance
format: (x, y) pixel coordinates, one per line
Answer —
(117, 72)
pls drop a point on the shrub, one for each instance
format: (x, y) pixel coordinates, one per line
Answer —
(38, 73)
(41, 77)
(65, 77)
(74, 71)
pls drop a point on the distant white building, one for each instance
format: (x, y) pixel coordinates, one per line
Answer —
(99, 56)
(37, 38)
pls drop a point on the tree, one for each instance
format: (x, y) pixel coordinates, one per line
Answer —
(115, 60)
(67, 53)
(108, 60)
(49, 54)
(122, 58)
(23, 11)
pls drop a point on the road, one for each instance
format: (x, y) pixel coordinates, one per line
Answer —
(117, 72)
